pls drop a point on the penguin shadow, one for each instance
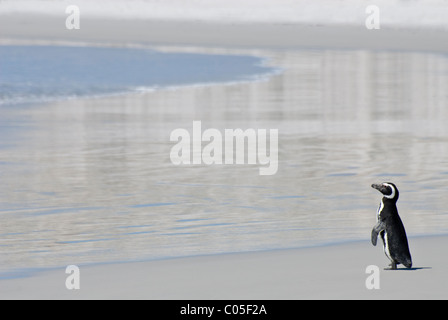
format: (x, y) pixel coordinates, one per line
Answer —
(407, 269)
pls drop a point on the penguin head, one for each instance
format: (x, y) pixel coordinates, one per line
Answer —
(388, 189)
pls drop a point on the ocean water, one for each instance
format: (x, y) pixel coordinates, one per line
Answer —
(47, 73)
(90, 180)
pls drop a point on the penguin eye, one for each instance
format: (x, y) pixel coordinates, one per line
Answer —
(388, 190)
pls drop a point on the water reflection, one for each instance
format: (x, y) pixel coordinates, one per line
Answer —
(91, 180)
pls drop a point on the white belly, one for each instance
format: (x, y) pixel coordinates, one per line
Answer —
(379, 210)
(386, 246)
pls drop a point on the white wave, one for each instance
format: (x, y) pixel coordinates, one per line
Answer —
(398, 13)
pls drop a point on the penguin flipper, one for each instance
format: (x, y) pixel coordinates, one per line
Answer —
(376, 230)
(374, 237)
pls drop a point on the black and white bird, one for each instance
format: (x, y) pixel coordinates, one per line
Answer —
(390, 228)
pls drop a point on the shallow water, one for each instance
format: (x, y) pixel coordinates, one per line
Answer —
(47, 73)
(91, 180)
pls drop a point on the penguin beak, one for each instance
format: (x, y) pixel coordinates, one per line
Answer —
(381, 188)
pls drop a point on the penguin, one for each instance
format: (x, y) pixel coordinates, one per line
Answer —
(390, 228)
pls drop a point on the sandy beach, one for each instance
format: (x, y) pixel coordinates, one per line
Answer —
(319, 272)
(329, 272)
(26, 28)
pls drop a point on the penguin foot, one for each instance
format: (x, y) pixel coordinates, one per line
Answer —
(392, 266)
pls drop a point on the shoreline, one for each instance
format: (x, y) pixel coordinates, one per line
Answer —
(324, 272)
(30, 29)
